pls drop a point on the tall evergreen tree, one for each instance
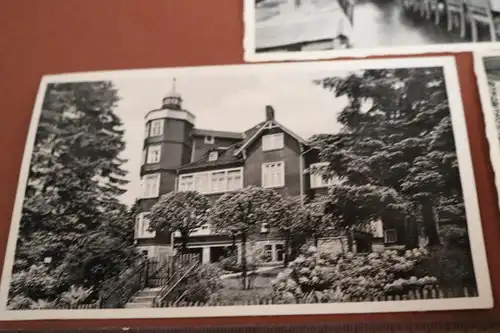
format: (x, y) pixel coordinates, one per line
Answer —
(75, 179)
(397, 134)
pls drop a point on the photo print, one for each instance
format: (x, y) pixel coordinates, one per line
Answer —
(324, 29)
(311, 188)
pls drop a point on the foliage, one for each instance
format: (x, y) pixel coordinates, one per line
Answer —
(90, 257)
(255, 256)
(202, 283)
(19, 302)
(74, 296)
(352, 207)
(452, 262)
(36, 282)
(244, 210)
(241, 212)
(396, 134)
(313, 219)
(288, 223)
(75, 180)
(182, 211)
(340, 277)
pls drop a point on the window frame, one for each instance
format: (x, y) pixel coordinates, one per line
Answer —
(149, 149)
(263, 171)
(274, 147)
(210, 181)
(140, 232)
(316, 178)
(211, 155)
(386, 238)
(161, 123)
(209, 139)
(143, 185)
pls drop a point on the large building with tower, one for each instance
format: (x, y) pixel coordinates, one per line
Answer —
(178, 156)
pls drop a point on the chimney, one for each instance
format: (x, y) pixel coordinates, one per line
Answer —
(269, 113)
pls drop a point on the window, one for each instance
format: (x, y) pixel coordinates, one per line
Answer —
(212, 181)
(390, 236)
(209, 139)
(273, 174)
(377, 228)
(143, 158)
(146, 130)
(213, 156)
(280, 252)
(264, 228)
(154, 154)
(268, 253)
(201, 183)
(156, 127)
(273, 142)
(142, 225)
(151, 185)
(218, 182)
(316, 172)
(234, 180)
(186, 183)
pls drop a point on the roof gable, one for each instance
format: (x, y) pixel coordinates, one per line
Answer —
(258, 132)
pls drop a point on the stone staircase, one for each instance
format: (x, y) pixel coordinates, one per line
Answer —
(143, 298)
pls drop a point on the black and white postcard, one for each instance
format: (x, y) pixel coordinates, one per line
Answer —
(487, 68)
(321, 29)
(311, 188)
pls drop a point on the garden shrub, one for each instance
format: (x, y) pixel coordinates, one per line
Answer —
(341, 277)
(74, 296)
(34, 283)
(202, 283)
(19, 302)
(451, 262)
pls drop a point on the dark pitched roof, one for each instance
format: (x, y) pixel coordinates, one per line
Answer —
(226, 156)
(217, 134)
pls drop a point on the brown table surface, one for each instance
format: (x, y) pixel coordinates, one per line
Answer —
(57, 36)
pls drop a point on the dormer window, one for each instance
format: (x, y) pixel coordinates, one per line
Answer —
(213, 156)
(209, 139)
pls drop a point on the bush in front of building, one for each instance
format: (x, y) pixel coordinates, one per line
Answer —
(203, 283)
(451, 262)
(330, 278)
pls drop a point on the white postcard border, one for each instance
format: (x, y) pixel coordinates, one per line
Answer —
(492, 134)
(483, 301)
(250, 54)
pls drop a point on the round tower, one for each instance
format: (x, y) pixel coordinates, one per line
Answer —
(167, 146)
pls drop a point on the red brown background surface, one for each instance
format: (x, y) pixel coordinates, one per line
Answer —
(59, 36)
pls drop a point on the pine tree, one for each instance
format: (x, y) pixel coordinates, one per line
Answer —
(397, 135)
(75, 179)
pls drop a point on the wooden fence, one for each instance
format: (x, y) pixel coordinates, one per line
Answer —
(424, 294)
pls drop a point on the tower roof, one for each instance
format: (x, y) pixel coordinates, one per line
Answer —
(173, 99)
(173, 92)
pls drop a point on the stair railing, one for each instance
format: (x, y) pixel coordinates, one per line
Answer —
(183, 265)
(127, 287)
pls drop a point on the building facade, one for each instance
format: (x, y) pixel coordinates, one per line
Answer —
(177, 156)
